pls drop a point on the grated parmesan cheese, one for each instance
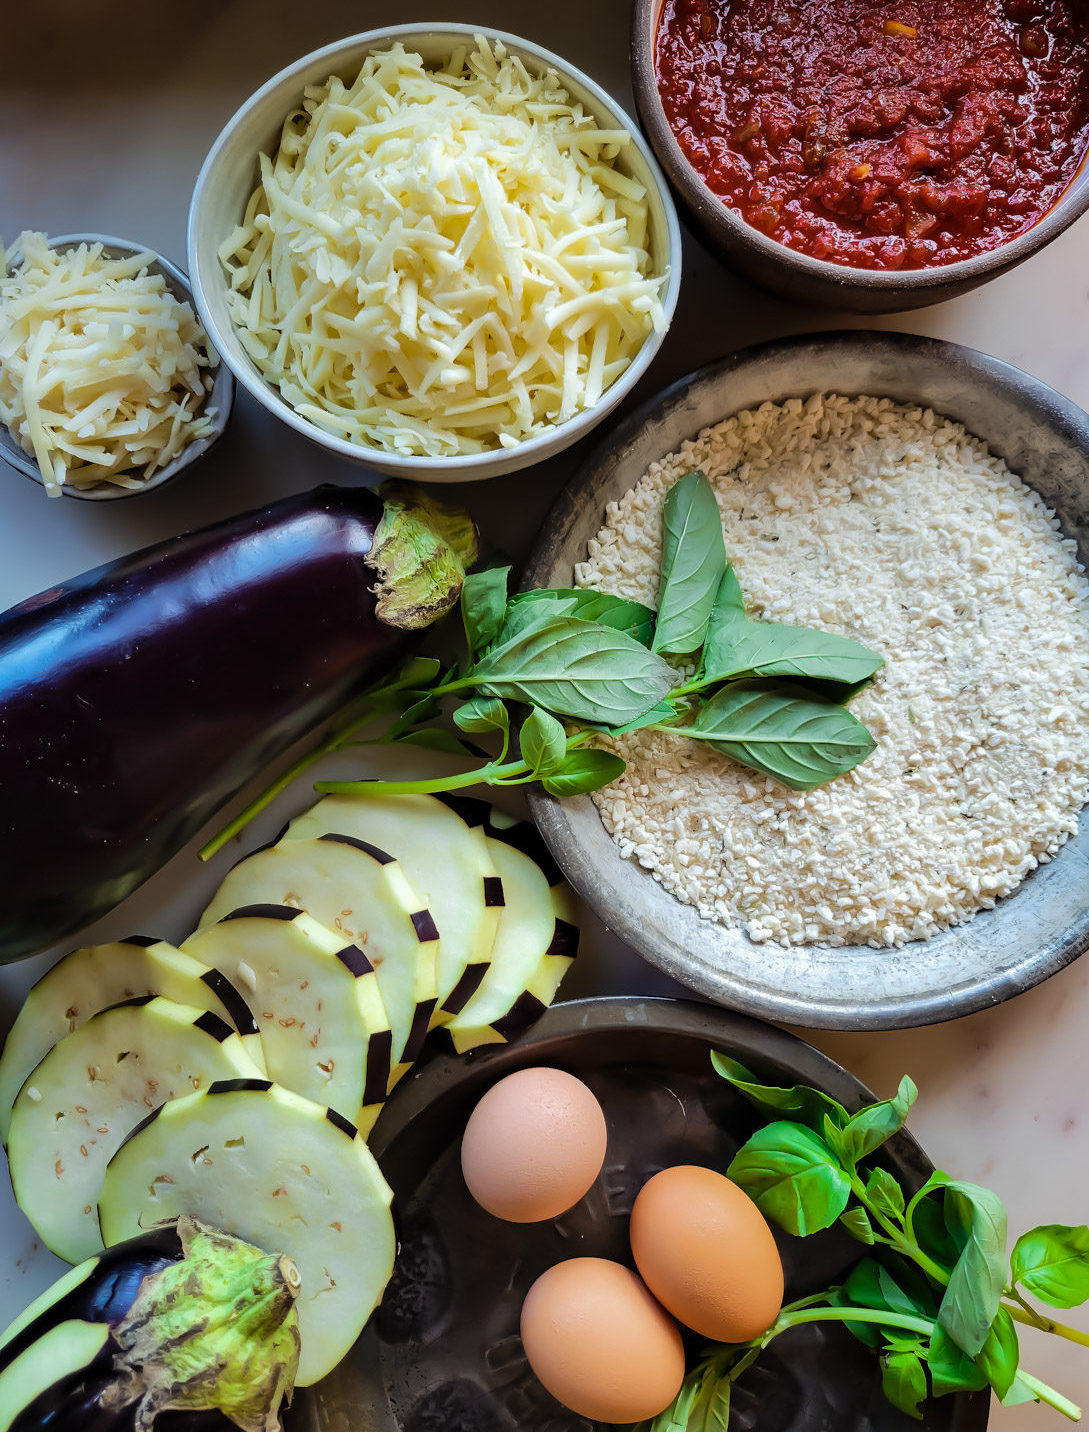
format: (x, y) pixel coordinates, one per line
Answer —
(103, 371)
(443, 261)
(896, 527)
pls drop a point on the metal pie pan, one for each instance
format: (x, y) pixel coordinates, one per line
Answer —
(1029, 935)
(443, 1352)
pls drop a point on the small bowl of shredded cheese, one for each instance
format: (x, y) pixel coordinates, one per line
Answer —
(444, 254)
(109, 385)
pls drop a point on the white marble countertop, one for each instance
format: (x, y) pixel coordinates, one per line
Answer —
(105, 116)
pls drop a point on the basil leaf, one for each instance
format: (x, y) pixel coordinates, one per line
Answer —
(1000, 1355)
(867, 1130)
(676, 1415)
(483, 606)
(693, 565)
(857, 1223)
(1052, 1262)
(976, 1217)
(1019, 1393)
(870, 1285)
(482, 713)
(543, 742)
(712, 1411)
(578, 669)
(729, 598)
(525, 616)
(903, 1382)
(417, 673)
(616, 612)
(772, 649)
(423, 708)
(885, 1193)
(810, 1106)
(782, 732)
(950, 1369)
(925, 1219)
(584, 771)
(793, 1178)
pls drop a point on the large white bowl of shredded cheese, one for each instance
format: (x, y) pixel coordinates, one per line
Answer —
(443, 253)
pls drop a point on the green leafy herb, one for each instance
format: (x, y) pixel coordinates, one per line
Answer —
(875, 1125)
(977, 1221)
(744, 648)
(1052, 1263)
(783, 732)
(858, 1225)
(482, 713)
(810, 1106)
(593, 661)
(693, 565)
(1000, 1354)
(483, 606)
(903, 1381)
(793, 1177)
(543, 741)
(583, 771)
(578, 669)
(631, 617)
(936, 1300)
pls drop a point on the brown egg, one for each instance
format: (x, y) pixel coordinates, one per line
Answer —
(600, 1343)
(707, 1254)
(534, 1145)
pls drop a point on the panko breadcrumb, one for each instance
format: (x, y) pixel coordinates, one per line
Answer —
(894, 526)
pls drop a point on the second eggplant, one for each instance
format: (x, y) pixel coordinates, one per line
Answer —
(183, 1329)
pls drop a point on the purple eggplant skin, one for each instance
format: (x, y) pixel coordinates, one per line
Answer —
(221, 1279)
(138, 698)
(75, 1403)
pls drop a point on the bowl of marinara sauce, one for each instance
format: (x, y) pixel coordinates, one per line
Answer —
(869, 154)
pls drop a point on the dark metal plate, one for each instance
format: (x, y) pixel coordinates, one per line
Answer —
(443, 1353)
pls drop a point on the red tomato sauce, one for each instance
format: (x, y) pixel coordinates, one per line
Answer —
(896, 135)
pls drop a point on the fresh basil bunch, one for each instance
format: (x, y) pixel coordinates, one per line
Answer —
(938, 1301)
(588, 664)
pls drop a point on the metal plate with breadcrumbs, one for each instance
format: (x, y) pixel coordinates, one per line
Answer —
(443, 1352)
(1029, 935)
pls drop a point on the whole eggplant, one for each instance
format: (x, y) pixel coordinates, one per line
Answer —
(182, 1329)
(136, 699)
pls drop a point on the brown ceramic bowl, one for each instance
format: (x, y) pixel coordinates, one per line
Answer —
(795, 275)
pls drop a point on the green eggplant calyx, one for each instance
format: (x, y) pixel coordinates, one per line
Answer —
(421, 551)
(216, 1330)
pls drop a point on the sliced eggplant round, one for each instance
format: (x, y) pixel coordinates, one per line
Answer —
(69, 1348)
(279, 1171)
(535, 943)
(446, 858)
(361, 893)
(93, 978)
(92, 1087)
(317, 1001)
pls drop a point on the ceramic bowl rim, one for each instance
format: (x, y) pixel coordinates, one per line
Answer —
(1071, 204)
(221, 396)
(462, 467)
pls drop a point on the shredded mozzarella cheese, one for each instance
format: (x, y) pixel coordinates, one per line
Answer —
(443, 261)
(104, 373)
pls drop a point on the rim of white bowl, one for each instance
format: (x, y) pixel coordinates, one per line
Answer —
(464, 465)
(221, 395)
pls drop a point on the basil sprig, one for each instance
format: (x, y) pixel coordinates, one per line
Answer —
(589, 664)
(938, 1300)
